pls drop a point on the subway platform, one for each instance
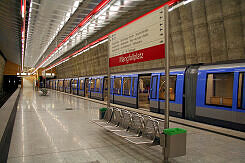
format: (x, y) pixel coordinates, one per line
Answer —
(58, 128)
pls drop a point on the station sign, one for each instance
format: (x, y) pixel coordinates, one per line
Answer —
(139, 41)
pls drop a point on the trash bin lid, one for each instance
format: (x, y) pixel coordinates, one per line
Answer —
(103, 109)
(174, 131)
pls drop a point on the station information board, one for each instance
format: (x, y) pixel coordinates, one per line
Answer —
(139, 41)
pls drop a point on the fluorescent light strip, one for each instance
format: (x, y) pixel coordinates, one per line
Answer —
(23, 13)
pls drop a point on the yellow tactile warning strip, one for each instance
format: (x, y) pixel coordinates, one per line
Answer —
(211, 128)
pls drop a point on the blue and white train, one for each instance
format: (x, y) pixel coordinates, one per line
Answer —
(213, 94)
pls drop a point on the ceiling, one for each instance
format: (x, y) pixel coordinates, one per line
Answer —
(48, 23)
(10, 30)
(46, 19)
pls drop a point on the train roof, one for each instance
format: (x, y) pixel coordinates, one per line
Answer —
(222, 66)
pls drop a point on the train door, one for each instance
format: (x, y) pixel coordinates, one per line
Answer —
(82, 87)
(86, 87)
(105, 89)
(144, 91)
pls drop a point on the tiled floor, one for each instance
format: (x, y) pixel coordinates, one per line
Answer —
(45, 131)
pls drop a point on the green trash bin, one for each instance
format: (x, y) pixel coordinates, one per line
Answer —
(175, 143)
(102, 113)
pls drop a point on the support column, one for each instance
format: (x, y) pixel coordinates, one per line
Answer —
(109, 75)
(166, 122)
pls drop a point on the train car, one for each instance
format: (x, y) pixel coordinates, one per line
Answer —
(219, 96)
(124, 90)
(96, 87)
(157, 92)
(67, 85)
(47, 83)
(53, 84)
(81, 88)
(87, 92)
(60, 86)
(212, 94)
(50, 84)
(56, 84)
(75, 86)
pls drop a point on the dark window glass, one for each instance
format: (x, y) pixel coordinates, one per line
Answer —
(81, 84)
(97, 89)
(134, 86)
(101, 84)
(219, 89)
(74, 85)
(240, 97)
(172, 84)
(105, 84)
(126, 86)
(65, 83)
(92, 83)
(154, 87)
(117, 86)
(60, 84)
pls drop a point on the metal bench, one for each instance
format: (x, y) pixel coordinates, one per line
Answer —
(115, 122)
(159, 127)
(127, 125)
(107, 118)
(134, 127)
(148, 132)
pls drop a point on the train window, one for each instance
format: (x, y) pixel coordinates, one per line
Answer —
(219, 89)
(117, 86)
(134, 85)
(241, 89)
(154, 87)
(101, 84)
(172, 85)
(92, 83)
(126, 86)
(97, 89)
(74, 84)
(81, 84)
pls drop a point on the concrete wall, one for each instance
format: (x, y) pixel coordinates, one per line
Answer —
(2, 65)
(204, 31)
